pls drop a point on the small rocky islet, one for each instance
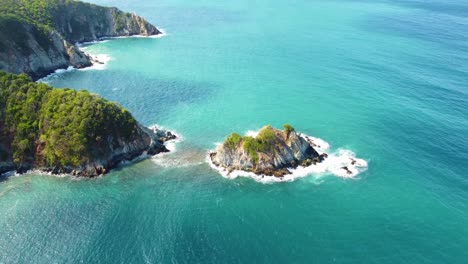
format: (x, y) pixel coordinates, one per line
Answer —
(271, 153)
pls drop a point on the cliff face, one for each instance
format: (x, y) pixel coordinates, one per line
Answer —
(118, 149)
(80, 22)
(38, 46)
(271, 152)
(25, 48)
(115, 150)
(66, 131)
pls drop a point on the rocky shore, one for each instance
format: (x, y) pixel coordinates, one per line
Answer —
(147, 142)
(270, 153)
(68, 131)
(40, 48)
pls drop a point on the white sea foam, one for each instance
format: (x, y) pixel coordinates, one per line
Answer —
(84, 45)
(251, 133)
(35, 172)
(10, 174)
(333, 165)
(163, 34)
(100, 62)
(56, 74)
(171, 145)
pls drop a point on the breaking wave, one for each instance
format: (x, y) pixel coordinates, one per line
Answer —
(100, 62)
(171, 159)
(340, 162)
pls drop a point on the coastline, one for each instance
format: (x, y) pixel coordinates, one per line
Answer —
(104, 39)
(99, 61)
(168, 144)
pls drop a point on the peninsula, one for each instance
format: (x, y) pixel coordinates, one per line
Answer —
(63, 130)
(67, 131)
(38, 37)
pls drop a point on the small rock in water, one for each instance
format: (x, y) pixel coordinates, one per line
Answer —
(347, 170)
(270, 153)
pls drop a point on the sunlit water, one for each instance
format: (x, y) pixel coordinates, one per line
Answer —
(383, 79)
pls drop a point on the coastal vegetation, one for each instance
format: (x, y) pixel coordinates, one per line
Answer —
(263, 142)
(36, 12)
(38, 36)
(288, 129)
(270, 152)
(57, 127)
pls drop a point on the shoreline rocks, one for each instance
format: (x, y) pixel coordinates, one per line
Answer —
(270, 153)
(27, 46)
(150, 141)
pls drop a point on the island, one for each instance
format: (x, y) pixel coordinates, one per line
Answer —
(63, 131)
(38, 37)
(270, 153)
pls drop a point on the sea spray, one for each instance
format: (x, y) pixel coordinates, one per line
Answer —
(56, 74)
(335, 164)
(100, 62)
(175, 158)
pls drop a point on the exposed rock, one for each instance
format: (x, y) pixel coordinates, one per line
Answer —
(163, 135)
(146, 142)
(40, 53)
(68, 131)
(271, 153)
(28, 47)
(82, 22)
(347, 170)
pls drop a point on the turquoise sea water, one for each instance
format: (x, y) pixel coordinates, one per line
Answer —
(385, 79)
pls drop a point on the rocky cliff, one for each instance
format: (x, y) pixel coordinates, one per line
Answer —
(81, 22)
(270, 153)
(39, 36)
(26, 49)
(67, 131)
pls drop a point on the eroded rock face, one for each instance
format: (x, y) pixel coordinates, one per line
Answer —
(270, 153)
(146, 142)
(83, 22)
(28, 48)
(40, 53)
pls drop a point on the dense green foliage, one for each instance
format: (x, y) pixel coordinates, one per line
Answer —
(36, 12)
(57, 127)
(233, 140)
(17, 17)
(119, 19)
(263, 142)
(288, 128)
(68, 17)
(12, 29)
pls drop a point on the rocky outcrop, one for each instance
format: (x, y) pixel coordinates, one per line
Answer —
(117, 150)
(270, 153)
(68, 131)
(38, 49)
(81, 22)
(147, 142)
(37, 53)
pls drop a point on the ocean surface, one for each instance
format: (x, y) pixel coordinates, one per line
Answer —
(385, 81)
